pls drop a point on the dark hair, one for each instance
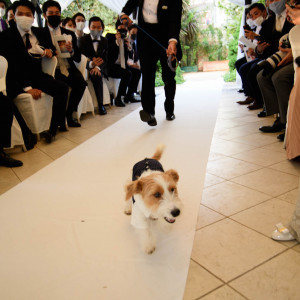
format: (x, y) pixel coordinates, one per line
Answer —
(11, 7)
(50, 3)
(260, 6)
(2, 1)
(132, 27)
(118, 23)
(78, 14)
(23, 3)
(67, 20)
(96, 19)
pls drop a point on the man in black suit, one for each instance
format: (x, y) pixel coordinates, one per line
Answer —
(117, 60)
(16, 45)
(94, 46)
(162, 20)
(3, 24)
(66, 70)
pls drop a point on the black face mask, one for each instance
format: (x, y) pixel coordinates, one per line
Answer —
(123, 33)
(12, 23)
(133, 37)
(54, 21)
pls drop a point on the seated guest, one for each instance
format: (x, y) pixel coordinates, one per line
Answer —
(133, 63)
(10, 17)
(94, 46)
(117, 58)
(6, 119)
(69, 24)
(66, 70)
(16, 45)
(79, 19)
(3, 24)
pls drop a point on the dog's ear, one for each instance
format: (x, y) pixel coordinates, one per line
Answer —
(173, 174)
(134, 187)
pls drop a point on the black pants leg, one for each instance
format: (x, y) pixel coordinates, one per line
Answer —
(134, 81)
(77, 83)
(6, 118)
(116, 71)
(98, 88)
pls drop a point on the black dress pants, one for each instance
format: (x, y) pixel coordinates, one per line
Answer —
(77, 83)
(98, 88)
(115, 71)
(150, 53)
(134, 81)
(6, 118)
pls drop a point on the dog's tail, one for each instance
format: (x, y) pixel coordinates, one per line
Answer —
(158, 152)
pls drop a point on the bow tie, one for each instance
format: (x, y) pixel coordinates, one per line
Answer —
(96, 41)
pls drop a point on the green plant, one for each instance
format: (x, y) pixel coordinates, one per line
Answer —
(158, 77)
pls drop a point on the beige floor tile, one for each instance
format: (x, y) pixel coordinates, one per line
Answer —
(277, 279)
(33, 161)
(228, 249)
(228, 167)
(223, 293)
(288, 166)
(277, 146)
(8, 179)
(228, 124)
(291, 196)
(256, 139)
(260, 156)
(269, 181)
(297, 248)
(216, 140)
(215, 156)
(199, 282)
(232, 133)
(229, 198)
(207, 216)
(265, 216)
(78, 135)
(212, 180)
(230, 148)
(248, 119)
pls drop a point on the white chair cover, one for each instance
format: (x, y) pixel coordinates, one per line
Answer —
(86, 103)
(37, 113)
(16, 133)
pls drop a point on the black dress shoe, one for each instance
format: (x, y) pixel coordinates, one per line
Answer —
(73, 122)
(30, 140)
(281, 137)
(262, 114)
(241, 91)
(7, 161)
(146, 117)
(48, 136)
(119, 103)
(276, 127)
(102, 110)
(170, 117)
(63, 128)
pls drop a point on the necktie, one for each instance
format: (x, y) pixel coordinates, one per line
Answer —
(122, 55)
(27, 42)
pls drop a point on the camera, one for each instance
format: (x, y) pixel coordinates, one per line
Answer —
(247, 27)
(123, 33)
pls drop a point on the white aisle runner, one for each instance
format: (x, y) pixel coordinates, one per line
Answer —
(63, 234)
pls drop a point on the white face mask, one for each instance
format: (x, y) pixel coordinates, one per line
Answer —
(258, 21)
(70, 28)
(2, 12)
(80, 26)
(250, 22)
(24, 23)
(277, 7)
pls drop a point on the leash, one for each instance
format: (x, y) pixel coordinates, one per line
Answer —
(170, 57)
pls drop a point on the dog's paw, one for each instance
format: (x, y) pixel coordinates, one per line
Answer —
(127, 212)
(149, 249)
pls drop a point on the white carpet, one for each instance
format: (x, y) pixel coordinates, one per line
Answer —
(63, 234)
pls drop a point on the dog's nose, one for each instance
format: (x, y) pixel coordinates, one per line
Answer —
(175, 212)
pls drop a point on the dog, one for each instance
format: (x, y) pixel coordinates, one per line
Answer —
(152, 196)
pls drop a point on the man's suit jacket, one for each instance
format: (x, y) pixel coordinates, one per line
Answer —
(23, 69)
(3, 24)
(269, 33)
(86, 47)
(49, 45)
(113, 50)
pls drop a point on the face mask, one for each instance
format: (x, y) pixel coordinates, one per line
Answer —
(2, 12)
(123, 33)
(70, 28)
(80, 26)
(24, 23)
(250, 22)
(277, 7)
(133, 37)
(12, 23)
(53, 21)
(258, 21)
(95, 34)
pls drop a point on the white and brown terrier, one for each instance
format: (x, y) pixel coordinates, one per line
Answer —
(154, 198)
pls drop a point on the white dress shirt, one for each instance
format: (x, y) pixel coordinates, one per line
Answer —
(150, 11)
(95, 45)
(280, 19)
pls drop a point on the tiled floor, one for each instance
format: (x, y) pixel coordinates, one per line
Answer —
(250, 186)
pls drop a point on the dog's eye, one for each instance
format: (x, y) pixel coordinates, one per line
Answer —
(157, 195)
(172, 190)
